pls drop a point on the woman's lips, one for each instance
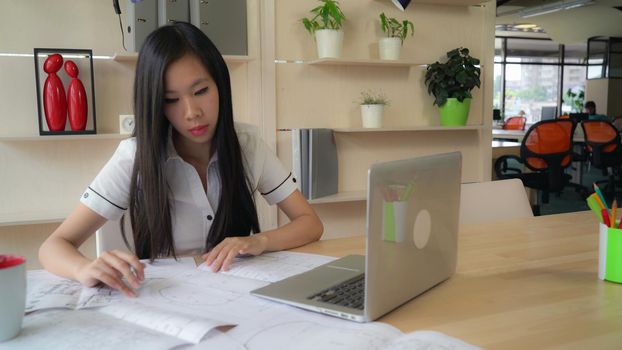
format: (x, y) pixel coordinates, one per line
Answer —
(198, 130)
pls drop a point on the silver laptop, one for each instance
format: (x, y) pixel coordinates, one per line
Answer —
(412, 233)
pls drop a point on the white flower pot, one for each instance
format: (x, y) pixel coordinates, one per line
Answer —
(389, 48)
(329, 43)
(371, 115)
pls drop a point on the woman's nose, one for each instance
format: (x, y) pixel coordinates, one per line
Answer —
(192, 110)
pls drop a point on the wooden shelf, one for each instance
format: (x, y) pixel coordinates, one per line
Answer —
(346, 196)
(125, 57)
(133, 57)
(64, 137)
(402, 129)
(450, 2)
(33, 218)
(363, 62)
(411, 129)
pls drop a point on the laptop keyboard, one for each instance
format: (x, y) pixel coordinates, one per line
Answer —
(350, 293)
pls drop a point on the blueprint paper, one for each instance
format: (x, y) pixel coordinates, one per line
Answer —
(46, 291)
(84, 330)
(274, 266)
(178, 304)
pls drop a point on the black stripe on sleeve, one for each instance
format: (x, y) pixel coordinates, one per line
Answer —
(274, 189)
(106, 199)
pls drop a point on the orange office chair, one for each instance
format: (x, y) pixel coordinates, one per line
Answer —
(546, 150)
(604, 150)
(515, 123)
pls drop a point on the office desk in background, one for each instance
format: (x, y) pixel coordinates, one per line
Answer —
(518, 135)
(520, 284)
(503, 148)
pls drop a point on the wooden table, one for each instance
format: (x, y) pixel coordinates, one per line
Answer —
(520, 284)
(516, 135)
(503, 148)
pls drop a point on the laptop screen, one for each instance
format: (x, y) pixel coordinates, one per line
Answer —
(412, 226)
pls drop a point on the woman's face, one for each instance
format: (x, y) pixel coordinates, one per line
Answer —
(191, 99)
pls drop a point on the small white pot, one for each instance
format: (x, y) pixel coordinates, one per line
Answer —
(371, 115)
(389, 48)
(329, 43)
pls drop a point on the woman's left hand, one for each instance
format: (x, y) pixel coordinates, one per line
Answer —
(221, 257)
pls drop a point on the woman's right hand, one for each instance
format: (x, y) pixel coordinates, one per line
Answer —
(110, 268)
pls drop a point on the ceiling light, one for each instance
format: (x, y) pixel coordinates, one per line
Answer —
(526, 26)
(553, 7)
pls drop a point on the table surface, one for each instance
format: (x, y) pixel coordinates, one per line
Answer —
(504, 144)
(520, 284)
(518, 135)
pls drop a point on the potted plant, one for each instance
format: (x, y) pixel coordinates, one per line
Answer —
(575, 100)
(451, 84)
(326, 25)
(396, 31)
(372, 107)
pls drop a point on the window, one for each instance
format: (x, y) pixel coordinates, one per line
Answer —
(573, 89)
(574, 73)
(530, 87)
(499, 51)
(530, 74)
(575, 54)
(597, 58)
(532, 51)
(497, 98)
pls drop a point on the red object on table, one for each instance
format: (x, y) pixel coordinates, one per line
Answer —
(54, 100)
(76, 98)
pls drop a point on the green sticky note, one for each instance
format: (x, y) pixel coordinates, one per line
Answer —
(388, 224)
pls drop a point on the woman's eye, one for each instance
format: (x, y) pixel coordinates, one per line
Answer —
(170, 100)
(201, 92)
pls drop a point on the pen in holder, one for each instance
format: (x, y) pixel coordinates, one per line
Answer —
(610, 254)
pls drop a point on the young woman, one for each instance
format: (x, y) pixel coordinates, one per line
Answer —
(186, 177)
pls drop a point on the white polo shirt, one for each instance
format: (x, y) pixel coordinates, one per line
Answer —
(192, 210)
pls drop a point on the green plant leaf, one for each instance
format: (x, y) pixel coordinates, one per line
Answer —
(454, 78)
(326, 16)
(393, 28)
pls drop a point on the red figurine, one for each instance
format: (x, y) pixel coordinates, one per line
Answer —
(54, 100)
(76, 98)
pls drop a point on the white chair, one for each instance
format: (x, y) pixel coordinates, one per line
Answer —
(109, 237)
(493, 200)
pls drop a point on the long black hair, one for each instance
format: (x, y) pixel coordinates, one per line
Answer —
(150, 207)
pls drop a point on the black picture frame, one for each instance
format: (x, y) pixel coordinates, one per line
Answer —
(83, 58)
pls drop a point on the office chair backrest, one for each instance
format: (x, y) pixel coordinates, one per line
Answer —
(515, 123)
(109, 237)
(601, 139)
(547, 146)
(546, 140)
(493, 200)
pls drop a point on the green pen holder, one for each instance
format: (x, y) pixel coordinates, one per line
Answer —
(610, 254)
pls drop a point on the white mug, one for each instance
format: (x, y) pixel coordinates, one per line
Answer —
(12, 295)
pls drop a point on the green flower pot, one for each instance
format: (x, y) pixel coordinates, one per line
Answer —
(454, 113)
